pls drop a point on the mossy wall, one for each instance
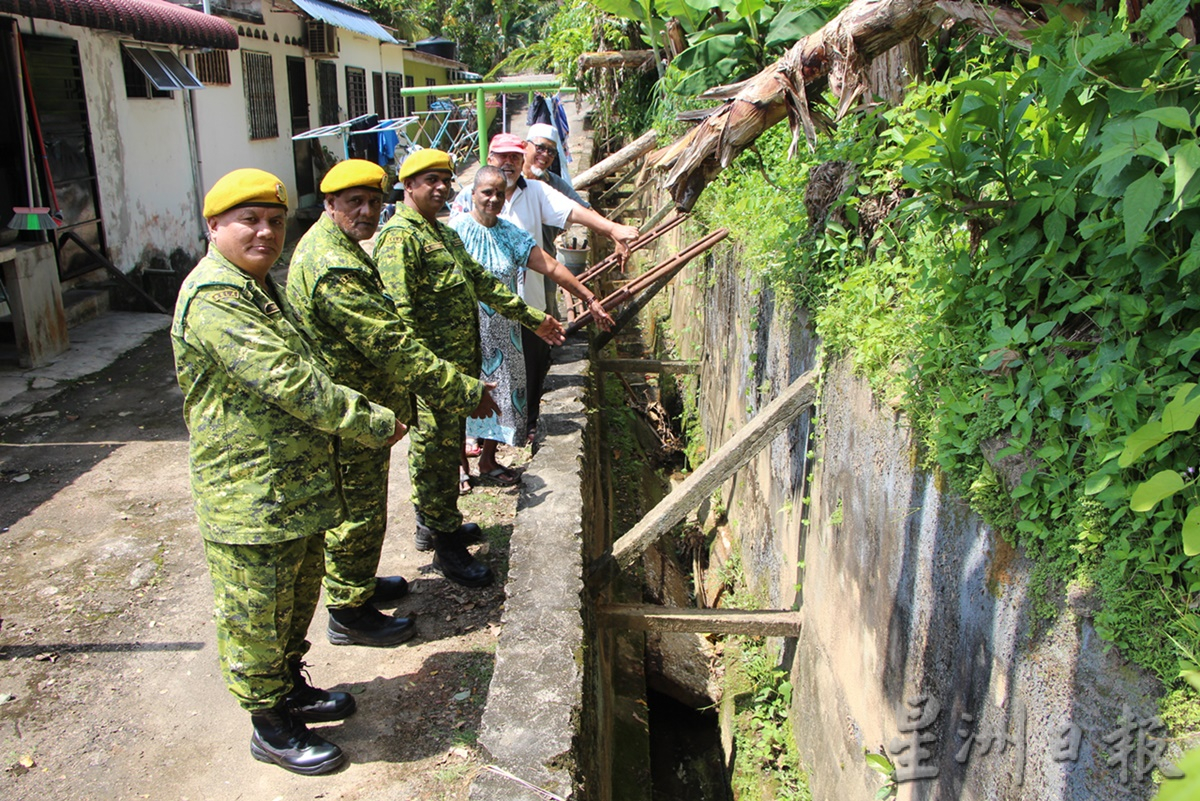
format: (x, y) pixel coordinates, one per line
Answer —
(903, 591)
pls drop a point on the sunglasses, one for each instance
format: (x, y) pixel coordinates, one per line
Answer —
(545, 150)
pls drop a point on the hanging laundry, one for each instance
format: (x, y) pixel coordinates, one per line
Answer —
(558, 114)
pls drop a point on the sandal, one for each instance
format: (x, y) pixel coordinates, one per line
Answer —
(499, 476)
(464, 483)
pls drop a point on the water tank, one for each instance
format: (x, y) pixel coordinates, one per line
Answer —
(437, 46)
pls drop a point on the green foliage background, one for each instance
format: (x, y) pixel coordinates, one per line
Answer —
(1015, 263)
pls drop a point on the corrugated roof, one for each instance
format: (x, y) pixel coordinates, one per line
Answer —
(430, 58)
(145, 20)
(344, 16)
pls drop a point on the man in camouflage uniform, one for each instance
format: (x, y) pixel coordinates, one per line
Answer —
(437, 287)
(262, 416)
(341, 304)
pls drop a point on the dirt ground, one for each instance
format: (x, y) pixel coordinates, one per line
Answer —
(109, 684)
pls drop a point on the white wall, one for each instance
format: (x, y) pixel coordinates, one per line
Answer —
(146, 196)
(223, 131)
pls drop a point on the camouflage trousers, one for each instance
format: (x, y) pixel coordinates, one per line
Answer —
(434, 455)
(352, 549)
(265, 599)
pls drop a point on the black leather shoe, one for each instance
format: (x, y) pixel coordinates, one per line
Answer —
(452, 559)
(366, 625)
(312, 704)
(283, 739)
(389, 588)
(466, 533)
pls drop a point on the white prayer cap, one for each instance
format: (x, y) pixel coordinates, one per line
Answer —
(542, 131)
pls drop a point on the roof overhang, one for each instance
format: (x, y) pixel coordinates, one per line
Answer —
(344, 16)
(145, 20)
(430, 58)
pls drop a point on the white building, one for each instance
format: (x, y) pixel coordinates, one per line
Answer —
(139, 106)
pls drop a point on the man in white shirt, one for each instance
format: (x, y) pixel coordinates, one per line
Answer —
(530, 205)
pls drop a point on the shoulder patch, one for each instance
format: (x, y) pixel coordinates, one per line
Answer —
(226, 294)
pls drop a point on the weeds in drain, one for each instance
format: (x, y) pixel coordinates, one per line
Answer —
(767, 762)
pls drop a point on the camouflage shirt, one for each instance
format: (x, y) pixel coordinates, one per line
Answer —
(437, 287)
(260, 412)
(340, 302)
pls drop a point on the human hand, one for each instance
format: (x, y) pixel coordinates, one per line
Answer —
(551, 331)
(397, 435)
(602, 318)
(625, 234)
(487, 404)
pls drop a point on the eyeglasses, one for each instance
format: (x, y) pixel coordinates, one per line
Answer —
(545, 150)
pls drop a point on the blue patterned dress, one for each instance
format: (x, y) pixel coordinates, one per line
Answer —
(503, 251)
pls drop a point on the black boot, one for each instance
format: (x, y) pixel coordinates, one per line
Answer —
(452, 559)
(312, 704)
(424, 537)
(282, 738)
(467, 533)
(366, 625)
(389, 588)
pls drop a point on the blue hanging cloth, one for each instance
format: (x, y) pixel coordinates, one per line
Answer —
(558, 114)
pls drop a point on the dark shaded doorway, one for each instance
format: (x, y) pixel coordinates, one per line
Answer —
(298, 109)
(58, 92)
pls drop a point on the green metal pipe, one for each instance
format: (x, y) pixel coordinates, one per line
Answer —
(495, 86)
(480, 89)
(480, 125)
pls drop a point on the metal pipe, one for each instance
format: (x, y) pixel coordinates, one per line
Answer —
(495, 86)
(481, 125)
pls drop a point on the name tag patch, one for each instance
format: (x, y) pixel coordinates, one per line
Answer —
(433, 246)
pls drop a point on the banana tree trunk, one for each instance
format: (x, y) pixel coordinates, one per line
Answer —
(838, 55)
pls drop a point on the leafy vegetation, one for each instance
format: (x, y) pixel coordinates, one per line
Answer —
(486, 30)
(766, 762)
(1012, 259)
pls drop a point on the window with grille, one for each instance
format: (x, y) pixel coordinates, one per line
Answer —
(356, 92)
(395, 103)
(213, 67)
(259, 80)
(327, 93)
(410, 103)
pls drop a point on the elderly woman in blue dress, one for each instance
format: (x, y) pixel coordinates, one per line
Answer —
(507, 251)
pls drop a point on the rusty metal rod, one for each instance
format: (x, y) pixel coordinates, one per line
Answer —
(661, 270)
(606, 264)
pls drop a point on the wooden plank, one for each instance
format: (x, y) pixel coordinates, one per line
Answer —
(666, 366)
(617, 160)
(751, 622)
(634, 197)
(658, 217)
(731, 456)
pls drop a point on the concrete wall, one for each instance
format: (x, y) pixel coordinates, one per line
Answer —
(903, 591)
(536, 698)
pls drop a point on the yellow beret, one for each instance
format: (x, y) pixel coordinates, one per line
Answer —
(245, 187)
(424, 161)
(354, 172)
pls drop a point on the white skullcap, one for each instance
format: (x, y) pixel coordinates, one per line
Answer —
(542, 131)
